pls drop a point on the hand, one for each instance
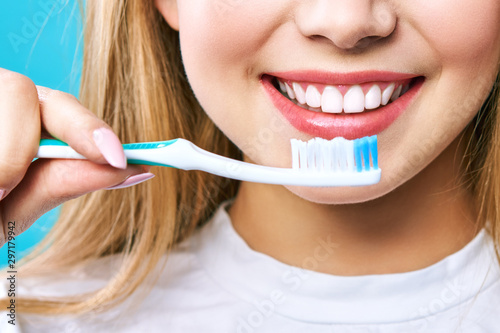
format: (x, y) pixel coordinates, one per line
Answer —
(28, 190)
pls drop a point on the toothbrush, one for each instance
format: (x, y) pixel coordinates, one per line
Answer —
(316, 163)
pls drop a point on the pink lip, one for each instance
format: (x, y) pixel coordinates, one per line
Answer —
(342, 78)
(349, 126)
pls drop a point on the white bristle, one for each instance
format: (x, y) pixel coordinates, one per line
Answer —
(303, 155)
(343, 146)
(320, 155)
(311, 154)
(337, 162)
(318, 158)
(295, 154)
(341, 155)
(326, 155)
(349, 155)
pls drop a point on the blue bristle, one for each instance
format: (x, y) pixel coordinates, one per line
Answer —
(357, 155)
(374, 150)
(365, 149)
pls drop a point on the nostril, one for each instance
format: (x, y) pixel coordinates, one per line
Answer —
(348, 45)
(318, 38)
(348, 25)
(367, 41)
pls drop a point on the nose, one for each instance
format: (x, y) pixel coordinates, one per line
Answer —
(348, 24)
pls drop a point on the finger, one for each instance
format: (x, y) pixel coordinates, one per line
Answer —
(19, 127)
(66, 119)
(50, 183)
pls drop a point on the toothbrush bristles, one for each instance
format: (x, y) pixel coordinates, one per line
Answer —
(337, 155)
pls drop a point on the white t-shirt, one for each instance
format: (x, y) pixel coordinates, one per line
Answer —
(213, 282)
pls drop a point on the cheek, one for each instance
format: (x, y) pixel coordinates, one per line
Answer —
(226, 31)
(221, 53)
(464, 38)
(460, 30)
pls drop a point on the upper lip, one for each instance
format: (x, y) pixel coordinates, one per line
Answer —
(334, 78)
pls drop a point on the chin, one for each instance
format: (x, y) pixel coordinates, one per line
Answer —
(340, 195)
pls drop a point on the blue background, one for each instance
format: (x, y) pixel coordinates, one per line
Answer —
(41, 39)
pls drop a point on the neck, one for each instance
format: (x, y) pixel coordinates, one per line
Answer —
(416, 225)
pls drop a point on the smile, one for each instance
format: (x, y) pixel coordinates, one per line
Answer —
(343, 98)
(348, 105)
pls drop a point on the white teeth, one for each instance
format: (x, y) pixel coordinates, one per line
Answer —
(354, 100)
(282, 87)
(396, 93)
(313, 97)
(373, 98)
(289, 91)
(386, 95)
(300, 94)
(332, 100)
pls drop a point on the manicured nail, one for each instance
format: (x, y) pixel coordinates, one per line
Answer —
(133, 180)
(110, 147)
(2, 194)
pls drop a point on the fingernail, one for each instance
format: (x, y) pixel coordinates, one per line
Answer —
(110, 147)
(2, 193)
(133, 180)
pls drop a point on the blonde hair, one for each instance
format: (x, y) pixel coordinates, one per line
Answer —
(133, 78)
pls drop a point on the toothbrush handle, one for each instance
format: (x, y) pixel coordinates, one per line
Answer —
(180, 154)
(177, 153)
(52, 148)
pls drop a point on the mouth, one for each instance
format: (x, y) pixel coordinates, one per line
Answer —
(348, 105)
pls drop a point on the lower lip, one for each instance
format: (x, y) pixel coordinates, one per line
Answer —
(350, 126)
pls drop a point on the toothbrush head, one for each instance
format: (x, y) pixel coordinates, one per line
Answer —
(337, 155)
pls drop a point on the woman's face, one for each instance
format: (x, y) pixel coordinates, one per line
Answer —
(340, 56)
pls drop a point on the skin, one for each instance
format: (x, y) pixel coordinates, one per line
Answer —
(27, 113)
(419, 213)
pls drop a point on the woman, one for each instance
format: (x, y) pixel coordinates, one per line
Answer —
(412, 253)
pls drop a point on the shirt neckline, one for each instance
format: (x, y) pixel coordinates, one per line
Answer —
(315, 297)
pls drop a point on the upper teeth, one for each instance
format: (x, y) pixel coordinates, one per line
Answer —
(332, 100)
